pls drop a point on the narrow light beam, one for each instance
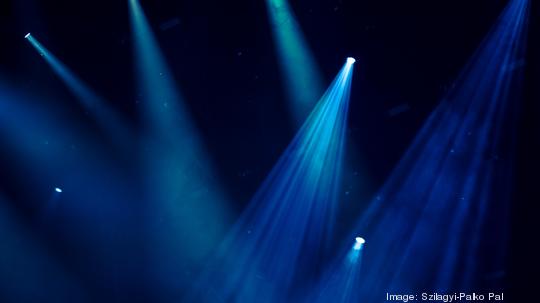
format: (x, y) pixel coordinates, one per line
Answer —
(108, 119)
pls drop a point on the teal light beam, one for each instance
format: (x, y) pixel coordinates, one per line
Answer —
(189, 211)
(302, 78)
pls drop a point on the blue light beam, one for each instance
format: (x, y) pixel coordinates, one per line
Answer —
(446, 203)
(281, 236)
(29, 272)
(47, 149)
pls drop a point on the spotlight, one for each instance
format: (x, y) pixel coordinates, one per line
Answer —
(359, 243)
(481, 100)
(341, 280)
(308, 172)
(27, 36)
(58, 190)
(351, 60)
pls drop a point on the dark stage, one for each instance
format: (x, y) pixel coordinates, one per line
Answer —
(269, 151)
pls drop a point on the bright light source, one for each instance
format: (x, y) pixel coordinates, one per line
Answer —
(58, 190)
(26, 36)
(351, 60)
(359, 243)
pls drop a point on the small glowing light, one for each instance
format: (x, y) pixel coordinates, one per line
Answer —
(351, 60)
(58, 190)
(27, 35)
(359, 243)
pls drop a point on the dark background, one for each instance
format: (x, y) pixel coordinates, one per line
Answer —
(223, 58)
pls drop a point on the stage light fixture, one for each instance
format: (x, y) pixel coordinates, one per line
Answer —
(359, 243)
(351, 60)
(58, 190)
(339, 282)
